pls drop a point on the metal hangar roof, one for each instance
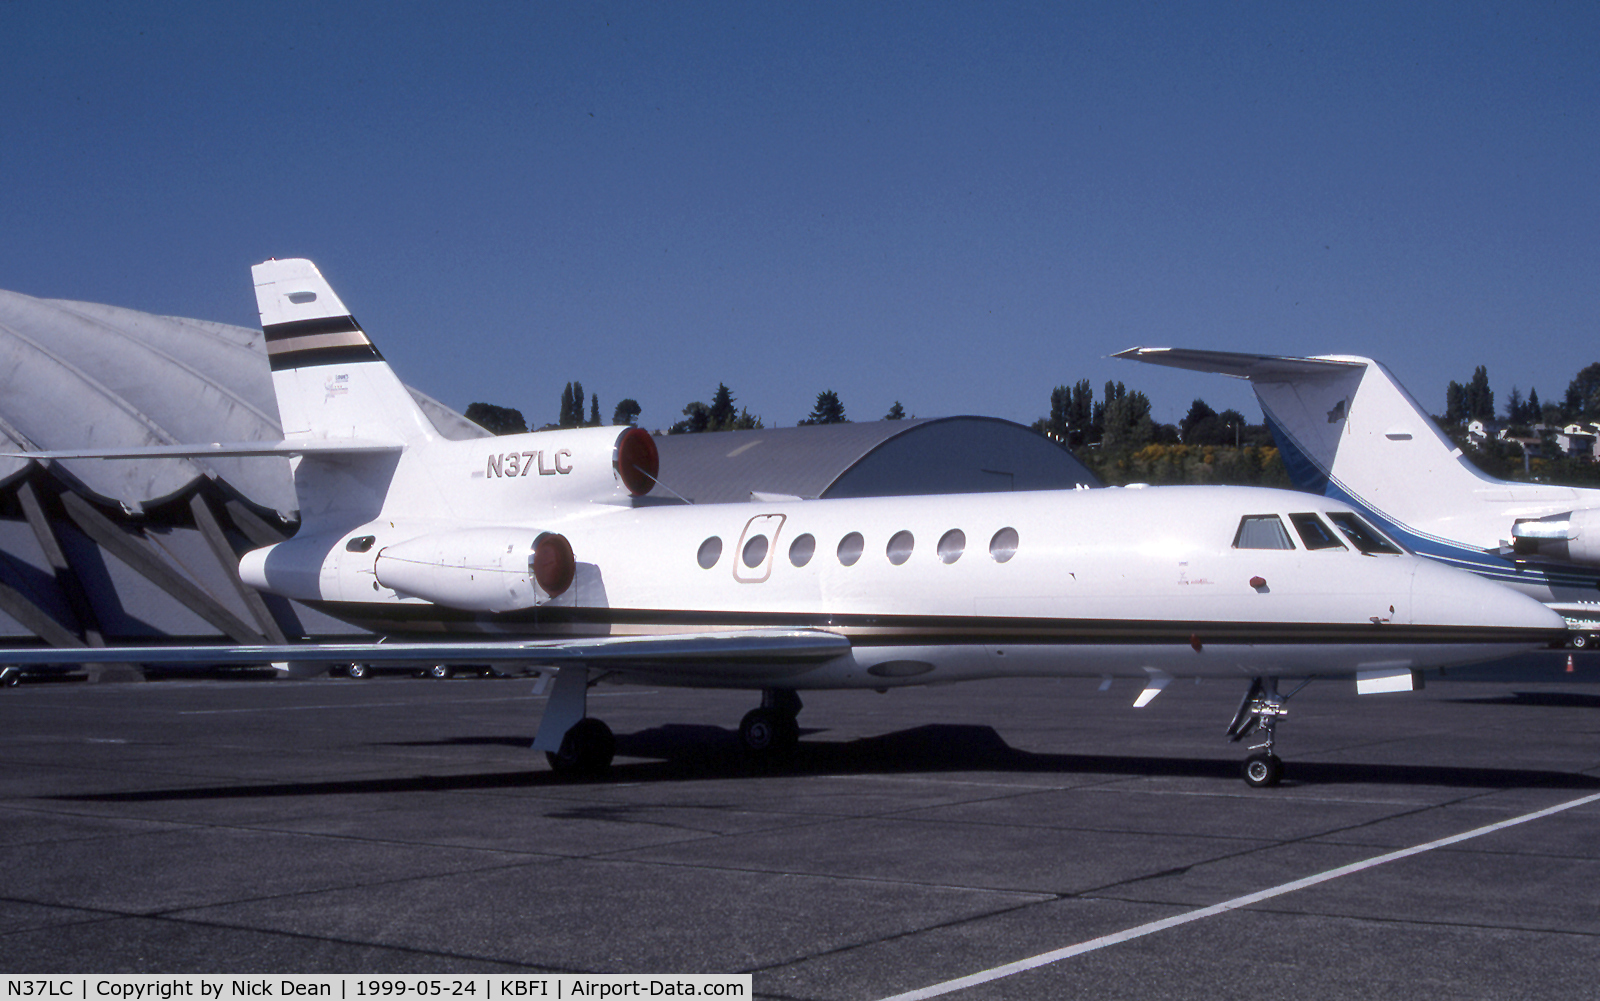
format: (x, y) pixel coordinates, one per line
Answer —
(939, 455)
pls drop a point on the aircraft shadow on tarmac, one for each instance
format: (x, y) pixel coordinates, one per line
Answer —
(1554, 700)
(690, 753)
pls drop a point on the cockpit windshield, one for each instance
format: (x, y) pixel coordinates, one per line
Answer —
(1314, 532)
(1362, 535)
(1261, 531)
(1267, 531)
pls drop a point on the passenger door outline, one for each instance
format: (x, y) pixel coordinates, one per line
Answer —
(769, 525)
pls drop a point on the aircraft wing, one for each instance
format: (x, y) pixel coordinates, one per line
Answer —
(1269, 368)
(746, 652)
(222, 449)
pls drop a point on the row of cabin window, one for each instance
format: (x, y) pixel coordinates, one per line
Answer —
(1266, 531)
(952, 544)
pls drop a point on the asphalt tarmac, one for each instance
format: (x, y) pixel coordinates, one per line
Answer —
(919, 836)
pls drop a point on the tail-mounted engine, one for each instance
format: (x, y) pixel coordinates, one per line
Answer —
(579, 465)
(1570, 537)
(480, 569)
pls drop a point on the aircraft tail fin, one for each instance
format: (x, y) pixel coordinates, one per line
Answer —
(330, 380)
(1346, 428)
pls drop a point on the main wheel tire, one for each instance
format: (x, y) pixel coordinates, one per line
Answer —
(1262, 770)
(358, 671)
(586, 750)
(768, 732)
(1581, 641)
(440, 671)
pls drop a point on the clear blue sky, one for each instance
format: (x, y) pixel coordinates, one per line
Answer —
(958, 206)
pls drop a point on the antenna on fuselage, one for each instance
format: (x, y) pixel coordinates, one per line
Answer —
(657, 481)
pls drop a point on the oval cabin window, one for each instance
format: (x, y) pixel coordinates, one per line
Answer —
(710, 553)
(851, 548)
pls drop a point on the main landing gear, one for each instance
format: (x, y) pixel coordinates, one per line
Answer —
(772, 730)
(579, 746)
(1259, 711)
(576, 744)
(586, 750)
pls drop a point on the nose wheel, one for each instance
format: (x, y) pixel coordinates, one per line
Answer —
(1261, 770)
(1259, 712)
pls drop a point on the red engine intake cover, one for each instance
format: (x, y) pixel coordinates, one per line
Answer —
(637, 462)
(553, 564)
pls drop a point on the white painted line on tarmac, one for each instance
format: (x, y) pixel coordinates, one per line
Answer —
(1139, 931)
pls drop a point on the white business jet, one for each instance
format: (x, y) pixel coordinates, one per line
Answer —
(547, 552)
(1348, 430)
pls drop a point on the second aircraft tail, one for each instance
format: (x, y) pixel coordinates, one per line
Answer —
(1347, 428)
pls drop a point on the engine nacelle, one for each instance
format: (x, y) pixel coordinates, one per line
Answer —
(1572, 536)
(479, 569)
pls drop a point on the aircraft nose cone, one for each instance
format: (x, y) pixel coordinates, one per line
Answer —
(1444, 596)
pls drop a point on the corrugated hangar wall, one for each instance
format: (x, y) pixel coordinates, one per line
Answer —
(94, 552)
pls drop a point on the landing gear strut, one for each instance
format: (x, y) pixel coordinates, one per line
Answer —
(772, 730)
(575, 744)
(1260, 710)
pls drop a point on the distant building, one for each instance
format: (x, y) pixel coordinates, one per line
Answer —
(1577, 440)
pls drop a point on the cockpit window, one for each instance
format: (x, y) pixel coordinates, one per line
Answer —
(1262, 531)
(1314, 532)
(1362, 535)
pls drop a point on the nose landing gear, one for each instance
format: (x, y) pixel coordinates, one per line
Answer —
(1259, 711)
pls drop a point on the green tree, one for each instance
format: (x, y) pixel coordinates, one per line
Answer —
(828, 410)
(896, 412)
(1128, 424)
(1199, 411)
(1114, 392)
(1583, 394)
(572, 406)
(594, 410)
(627, 412)
(1234, 428)
(1079, 414)
(1455, 403)
(565, 420)
(1056, 425)
(721, 414)
(1479, 398)
(496, 420)
(696, 419)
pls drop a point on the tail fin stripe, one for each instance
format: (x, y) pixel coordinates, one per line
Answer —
(295, 354)
(321, 325)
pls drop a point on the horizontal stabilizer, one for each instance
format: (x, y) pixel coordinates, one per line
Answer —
(1241, 366)
(219, 450)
